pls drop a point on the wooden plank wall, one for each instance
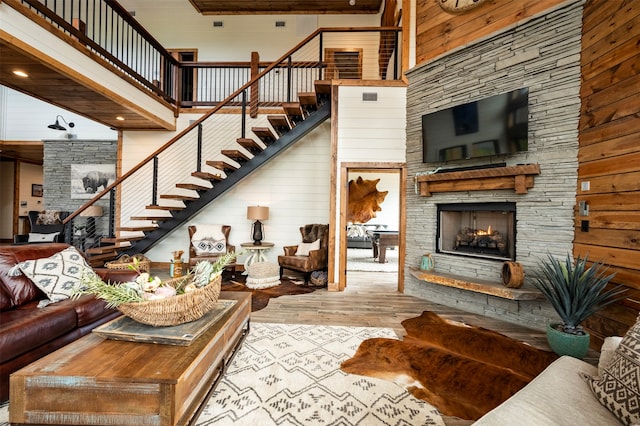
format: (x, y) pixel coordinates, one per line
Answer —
(609, 152)
(438, 32)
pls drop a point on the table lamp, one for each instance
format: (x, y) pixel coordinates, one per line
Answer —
(91, 213)
(257, 213)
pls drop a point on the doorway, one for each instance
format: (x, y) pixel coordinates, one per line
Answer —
(188, 76)
(360, 238)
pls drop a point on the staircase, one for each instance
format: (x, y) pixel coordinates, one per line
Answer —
(297, 119)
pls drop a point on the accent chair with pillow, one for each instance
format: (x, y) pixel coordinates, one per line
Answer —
(309, 255)
(209, 242)
(46, 227)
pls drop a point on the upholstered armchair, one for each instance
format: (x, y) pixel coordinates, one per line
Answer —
(209, 242)
(310, 255)
(46, 227)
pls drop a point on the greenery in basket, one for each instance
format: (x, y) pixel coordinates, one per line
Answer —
(576, 291)
(146, 287)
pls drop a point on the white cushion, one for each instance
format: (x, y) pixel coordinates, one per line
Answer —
(305, 248)
(557, 396)
(34, 237)
(57, 275)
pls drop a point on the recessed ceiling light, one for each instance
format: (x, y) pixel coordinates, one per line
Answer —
(20, 73)
(120, 118)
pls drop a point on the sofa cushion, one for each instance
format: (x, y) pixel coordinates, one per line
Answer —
(58, 275)
(28, 327)
(618, 387)
(607, 352)
(21, 289)
(5, 299)
(557, 396)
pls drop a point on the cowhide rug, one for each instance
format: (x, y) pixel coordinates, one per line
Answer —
(260, 297)
(462, 370)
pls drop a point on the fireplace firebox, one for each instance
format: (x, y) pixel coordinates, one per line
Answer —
(486, 230)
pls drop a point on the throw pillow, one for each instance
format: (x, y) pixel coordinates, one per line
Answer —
(305, 248)
(58, 275)
(618, 387)
(42, 238)
(208, 246)
(607, 351)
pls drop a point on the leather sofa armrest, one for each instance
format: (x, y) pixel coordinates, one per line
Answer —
(290, 250)
(116, 275)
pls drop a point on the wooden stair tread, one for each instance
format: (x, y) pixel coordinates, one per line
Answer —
(207, 176)
(308, 98)
(117, 240)
(294, 112)
(138, 228)
(158, 218)
(236, 155)
(103, 256)
(323, 87)
(264, 134)
(279, 123)
(107, 249)
(221, 165)
(152, 207)
(180, 197)
(250, 145)
(193, 186)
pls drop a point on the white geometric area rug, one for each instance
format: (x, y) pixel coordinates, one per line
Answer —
(288, 374)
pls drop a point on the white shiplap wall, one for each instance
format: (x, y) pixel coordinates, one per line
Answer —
(368, 131)
(295, 187)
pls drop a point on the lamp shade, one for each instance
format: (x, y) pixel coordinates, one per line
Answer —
(257, 213)
(92, 211)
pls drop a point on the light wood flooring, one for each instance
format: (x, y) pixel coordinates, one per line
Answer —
(371, 299)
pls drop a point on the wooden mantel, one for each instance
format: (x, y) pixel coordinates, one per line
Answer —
(476, 285)
(519, 178)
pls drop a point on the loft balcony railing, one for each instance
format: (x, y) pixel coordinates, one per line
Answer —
(111, 32)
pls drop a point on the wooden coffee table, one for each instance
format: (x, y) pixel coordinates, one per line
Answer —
(97, 381)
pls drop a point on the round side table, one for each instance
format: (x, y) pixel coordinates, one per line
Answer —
(256, 253)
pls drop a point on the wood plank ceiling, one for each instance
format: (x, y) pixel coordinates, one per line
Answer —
(52, 86)
(246, 7)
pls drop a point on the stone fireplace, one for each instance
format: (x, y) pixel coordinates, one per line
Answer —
(449, 214)
(484, 230)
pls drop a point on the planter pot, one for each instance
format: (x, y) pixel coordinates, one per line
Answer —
(563, 343)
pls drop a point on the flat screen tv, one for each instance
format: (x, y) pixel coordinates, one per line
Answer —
(496, 125)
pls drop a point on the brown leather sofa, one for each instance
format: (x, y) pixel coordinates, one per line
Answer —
(27, 332)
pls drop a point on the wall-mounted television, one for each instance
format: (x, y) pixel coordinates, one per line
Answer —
(496, 125)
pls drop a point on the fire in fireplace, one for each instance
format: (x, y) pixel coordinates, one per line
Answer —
(477, 229)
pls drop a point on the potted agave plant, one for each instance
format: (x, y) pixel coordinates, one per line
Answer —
(576, 291)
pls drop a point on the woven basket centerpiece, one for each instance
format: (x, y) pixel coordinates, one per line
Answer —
(175, 310)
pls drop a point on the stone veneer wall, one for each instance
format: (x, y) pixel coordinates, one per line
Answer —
(542, 54)
(59, 155)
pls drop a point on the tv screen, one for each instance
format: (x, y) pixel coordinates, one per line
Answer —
(496, 125)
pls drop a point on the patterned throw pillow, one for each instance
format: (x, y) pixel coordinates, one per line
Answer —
(210, 246)
(618, 387)
(58, 275)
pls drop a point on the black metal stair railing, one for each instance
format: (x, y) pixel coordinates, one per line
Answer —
(207, 158)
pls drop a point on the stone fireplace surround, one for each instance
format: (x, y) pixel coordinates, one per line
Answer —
(542, 54)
